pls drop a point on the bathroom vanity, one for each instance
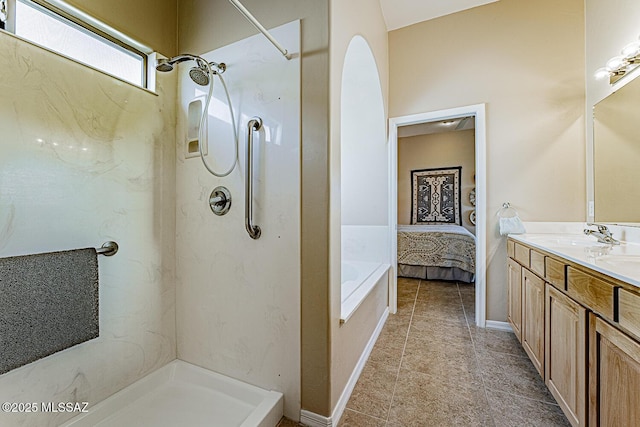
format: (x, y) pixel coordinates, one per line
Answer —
(574, 304)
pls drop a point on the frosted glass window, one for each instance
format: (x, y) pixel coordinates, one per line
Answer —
(58, 34)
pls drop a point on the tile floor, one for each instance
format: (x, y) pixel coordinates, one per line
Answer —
(432, 367)
(286, 422)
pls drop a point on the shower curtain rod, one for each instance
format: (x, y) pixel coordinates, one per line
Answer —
(260, 28)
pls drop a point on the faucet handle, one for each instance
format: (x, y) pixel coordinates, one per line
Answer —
(601, 228)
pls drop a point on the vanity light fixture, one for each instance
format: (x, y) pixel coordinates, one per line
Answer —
(618, 66)
(4, 15)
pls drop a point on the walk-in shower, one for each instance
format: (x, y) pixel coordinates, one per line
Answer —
(187, 285)
(237, 299)
(203, 74)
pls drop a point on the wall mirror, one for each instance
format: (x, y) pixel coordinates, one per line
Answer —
(616, 156)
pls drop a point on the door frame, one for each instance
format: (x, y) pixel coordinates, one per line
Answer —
(478, 111)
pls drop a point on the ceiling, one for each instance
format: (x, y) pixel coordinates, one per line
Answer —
(402, 13)
(449, 125)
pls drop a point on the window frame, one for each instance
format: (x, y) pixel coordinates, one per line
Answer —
(66, 17)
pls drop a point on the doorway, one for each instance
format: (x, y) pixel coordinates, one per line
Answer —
(478, 113)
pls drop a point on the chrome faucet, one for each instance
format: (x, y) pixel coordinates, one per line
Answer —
(603, 234)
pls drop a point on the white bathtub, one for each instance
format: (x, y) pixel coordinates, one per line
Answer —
(181, 394)
(358, 279)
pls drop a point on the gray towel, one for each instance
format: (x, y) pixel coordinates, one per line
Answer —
(48, 302)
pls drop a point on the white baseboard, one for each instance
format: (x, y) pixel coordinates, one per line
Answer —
(314, 420)
(353, 379)
(503, 326)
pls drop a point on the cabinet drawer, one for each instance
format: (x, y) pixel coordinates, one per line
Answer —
(591, 292)
(554, 272)
(511, 249)
(537, 263)
(522, 254)
(629, 311)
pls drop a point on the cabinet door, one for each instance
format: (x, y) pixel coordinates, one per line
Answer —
(533, 318)
(514, 297)
(566, 354)
(614, 376)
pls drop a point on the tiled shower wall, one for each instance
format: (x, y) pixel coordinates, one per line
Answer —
(85, 158)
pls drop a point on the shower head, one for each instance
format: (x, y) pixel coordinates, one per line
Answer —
(199, 75)
(164, 65)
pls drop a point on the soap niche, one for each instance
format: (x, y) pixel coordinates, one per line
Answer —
(194, 115)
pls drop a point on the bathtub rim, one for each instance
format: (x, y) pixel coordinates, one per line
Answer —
(349, 306)
(364, 270)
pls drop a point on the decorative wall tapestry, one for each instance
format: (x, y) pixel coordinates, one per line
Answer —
(436, 196)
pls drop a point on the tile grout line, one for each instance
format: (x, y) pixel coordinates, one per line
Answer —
(525, 397)
(475, 355)
(406, 338)
(365, 414)
(484, 385)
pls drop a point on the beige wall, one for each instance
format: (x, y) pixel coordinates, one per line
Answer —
(350, 18)
(436, 151)
(525, 60)
(610, 25)
(150, 22)
(206, 25)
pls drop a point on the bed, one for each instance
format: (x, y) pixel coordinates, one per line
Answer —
(436, 252)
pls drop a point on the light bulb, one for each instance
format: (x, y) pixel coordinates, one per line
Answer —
(602, 73)
(615, 63)
(631, 50)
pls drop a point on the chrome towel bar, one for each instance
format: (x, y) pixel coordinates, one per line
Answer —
(108, 249)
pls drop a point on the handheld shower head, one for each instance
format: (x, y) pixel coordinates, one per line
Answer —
(199, 75)
(203, 74)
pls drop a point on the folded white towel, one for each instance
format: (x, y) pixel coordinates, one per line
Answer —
(511, 225)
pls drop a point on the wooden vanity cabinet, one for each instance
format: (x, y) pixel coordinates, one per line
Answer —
(581, 330)
(566, 354)
(525, 295)
(614, 376)
(533, 318)
(514, 297)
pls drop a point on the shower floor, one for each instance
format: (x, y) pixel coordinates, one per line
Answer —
(181, 394)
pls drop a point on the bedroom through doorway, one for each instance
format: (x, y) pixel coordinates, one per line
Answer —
(437, 172)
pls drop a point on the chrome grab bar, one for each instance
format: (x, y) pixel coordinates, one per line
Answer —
(254, 231)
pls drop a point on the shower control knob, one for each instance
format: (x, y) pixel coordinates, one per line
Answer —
(220, 200)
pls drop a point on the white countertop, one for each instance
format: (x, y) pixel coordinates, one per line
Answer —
(618, 261)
